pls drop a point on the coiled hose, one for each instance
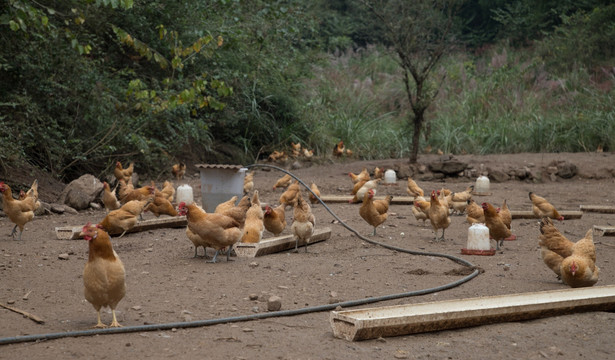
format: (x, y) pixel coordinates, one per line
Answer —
(272, 314)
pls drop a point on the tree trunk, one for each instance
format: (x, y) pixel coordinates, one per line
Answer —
(416, 136)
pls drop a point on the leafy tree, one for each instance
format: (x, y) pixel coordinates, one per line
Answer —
(419, 33)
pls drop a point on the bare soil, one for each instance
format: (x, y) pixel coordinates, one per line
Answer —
(167, 285)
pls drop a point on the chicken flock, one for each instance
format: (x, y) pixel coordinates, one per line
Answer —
(246, 219)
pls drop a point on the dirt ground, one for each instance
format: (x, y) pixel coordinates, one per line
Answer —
(165, 284)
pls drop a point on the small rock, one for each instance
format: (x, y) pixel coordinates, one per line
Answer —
(448, 166)
(10, 302)
(551, 169)
(253, 296)
(247, 330)
(401, 354)
(333, 297)
(63, 256)
(95, 206)
(255, 309)
(274, 303)
(57, 208)
(70, 210)
(253, 264)
(566, 170)
(136, 307)
(497, 176)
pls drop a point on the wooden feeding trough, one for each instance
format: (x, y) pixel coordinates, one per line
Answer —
(604, 209)
(399, 200)
(72, 232)
(567, 214)
(604, 230)
(408, 319)
(277, 244)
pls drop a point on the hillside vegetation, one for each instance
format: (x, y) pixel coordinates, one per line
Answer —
(86, 83)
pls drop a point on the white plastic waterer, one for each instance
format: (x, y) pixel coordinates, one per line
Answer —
(478, 237)
(482, 184)
(390, 177)
(184, 194)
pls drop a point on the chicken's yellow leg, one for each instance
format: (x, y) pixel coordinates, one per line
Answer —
(114, 323)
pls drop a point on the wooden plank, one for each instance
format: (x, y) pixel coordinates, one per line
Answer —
(373, 323)
(605, 209)
(72, 232)
(277, 244)
(399, 200)
(603, 230)
(523, 214)
(488, 193)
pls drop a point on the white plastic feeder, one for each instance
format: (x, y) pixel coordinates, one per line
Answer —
(219, 183)
(478, 241)
(184, 194)
(390, 177)
(482, 184)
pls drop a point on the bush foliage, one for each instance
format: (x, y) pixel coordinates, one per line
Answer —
(86, 83)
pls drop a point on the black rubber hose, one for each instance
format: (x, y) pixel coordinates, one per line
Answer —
(301, 311)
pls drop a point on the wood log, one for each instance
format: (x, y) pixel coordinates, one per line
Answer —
(277, 244)
(72, 232)
(523, 214)
(373, 323)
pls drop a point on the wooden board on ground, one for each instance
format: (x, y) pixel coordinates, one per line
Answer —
(604, 230)
(604, 209)
(373, 323)
(399, 200)
(72, 232)
(488, 193)
(277, 244)
(522, 214)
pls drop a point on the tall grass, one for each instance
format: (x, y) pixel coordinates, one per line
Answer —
(502, 101)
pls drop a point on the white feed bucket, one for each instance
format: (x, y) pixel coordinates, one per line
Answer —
(478, 241)
(390, 177)
(184, 194)
(482, 184)
(478, 237)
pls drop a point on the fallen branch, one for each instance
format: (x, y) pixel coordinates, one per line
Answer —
(24, 313)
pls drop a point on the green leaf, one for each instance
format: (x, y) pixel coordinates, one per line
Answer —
(14, 26)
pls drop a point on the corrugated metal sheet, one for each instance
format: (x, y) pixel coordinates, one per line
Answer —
(219, 166)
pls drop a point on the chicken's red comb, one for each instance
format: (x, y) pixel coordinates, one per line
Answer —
(86, 226)
(181, 205)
